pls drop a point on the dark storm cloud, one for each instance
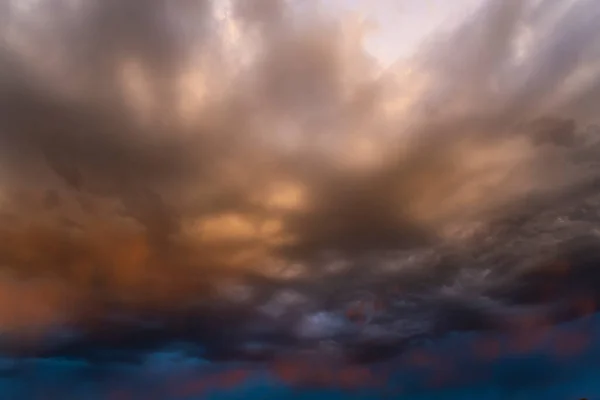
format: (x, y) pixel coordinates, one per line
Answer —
(145, 206)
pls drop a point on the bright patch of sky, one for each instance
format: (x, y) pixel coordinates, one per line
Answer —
(402, 25)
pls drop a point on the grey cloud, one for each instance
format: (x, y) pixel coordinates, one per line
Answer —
(90, 145)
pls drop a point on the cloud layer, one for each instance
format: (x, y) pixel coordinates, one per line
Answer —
(150, 153)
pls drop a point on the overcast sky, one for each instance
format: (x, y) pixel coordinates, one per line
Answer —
(148, 154)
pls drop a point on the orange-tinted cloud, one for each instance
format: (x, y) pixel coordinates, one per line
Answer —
(151, 152)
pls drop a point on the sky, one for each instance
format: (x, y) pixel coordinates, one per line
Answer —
(399, 27)
(156, 158)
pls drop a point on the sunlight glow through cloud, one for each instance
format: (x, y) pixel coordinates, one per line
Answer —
(154, 155)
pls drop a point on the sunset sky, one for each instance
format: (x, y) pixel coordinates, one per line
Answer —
(178, 158)
(243, 180)
(266, 133)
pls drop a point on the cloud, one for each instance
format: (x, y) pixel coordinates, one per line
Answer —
(151, 151)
